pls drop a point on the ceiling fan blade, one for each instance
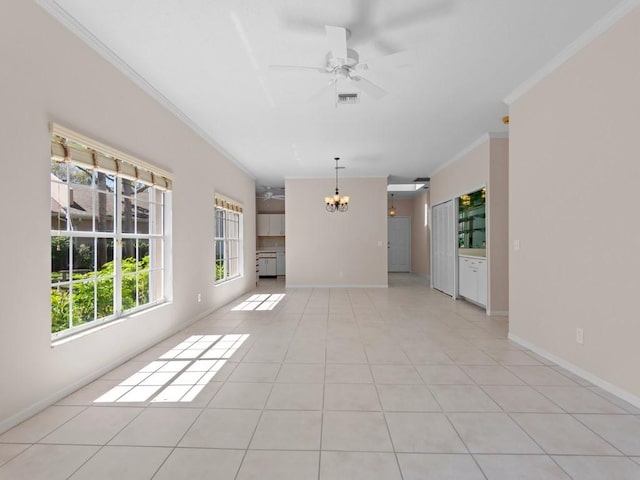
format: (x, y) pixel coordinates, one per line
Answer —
(369, 87)
(337, 37)
(297, 68)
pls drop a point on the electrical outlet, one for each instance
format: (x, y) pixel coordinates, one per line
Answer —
(516, 245)
(199, 297)
(580, 336)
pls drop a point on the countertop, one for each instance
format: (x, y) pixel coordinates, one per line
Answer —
(472, 252)
(270, 250)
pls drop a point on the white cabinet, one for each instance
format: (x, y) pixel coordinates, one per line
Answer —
(262, 226)
(472, 279)
(276, 225)
(270, 225)
(482, 282)
(267, 267)
(280, 263)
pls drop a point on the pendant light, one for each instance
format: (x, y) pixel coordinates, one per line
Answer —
(392, 210)
(336, 203)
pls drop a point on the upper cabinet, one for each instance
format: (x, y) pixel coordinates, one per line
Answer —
(270, 225)
(472, 230)
(262, 225)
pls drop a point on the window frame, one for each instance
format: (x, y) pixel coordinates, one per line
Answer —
(153, 278)
(227, 214)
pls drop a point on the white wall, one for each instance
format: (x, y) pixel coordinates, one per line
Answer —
(574, 174)
(420, 235)
(48, 74)
(336, 249)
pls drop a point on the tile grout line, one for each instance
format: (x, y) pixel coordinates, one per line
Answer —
(384, 416)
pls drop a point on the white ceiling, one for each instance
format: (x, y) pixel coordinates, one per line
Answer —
(209, 59)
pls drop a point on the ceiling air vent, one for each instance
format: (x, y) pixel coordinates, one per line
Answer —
(348, 98)
(421, 180)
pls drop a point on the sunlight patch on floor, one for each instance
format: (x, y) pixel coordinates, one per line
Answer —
(180, 374)
(259, 302)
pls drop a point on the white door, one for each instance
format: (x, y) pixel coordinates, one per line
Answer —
(399, 238)
(443, 247)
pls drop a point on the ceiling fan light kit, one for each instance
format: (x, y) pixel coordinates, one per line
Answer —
(336, 203)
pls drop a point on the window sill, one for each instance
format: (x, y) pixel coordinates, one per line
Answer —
(228, 280)
(66, 338)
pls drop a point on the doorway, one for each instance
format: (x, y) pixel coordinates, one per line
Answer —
(399, 244)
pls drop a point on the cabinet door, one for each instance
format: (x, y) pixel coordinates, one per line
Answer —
(280, 264)
(466, 278)
(262, 266)
(267, 267)
(271, 267)
(276, 225)
(263, 225)
(481, 266)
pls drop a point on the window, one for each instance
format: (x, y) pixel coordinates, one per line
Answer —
(228, 241)
(107, 234)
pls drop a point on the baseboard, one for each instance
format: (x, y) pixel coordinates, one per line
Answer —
(498, 313)
(337, 286)
(603, 384)
(37, 407)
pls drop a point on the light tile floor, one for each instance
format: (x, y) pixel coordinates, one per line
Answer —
(397, 383)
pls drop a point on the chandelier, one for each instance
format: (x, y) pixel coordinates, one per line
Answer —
(392, 210)
(336, 203)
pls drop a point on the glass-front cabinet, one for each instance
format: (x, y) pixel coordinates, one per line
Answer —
(472, 230)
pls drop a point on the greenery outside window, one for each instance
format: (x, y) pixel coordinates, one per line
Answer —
(228, 240)
(107, 235)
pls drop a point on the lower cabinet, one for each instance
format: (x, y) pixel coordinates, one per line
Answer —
(267, 267)
(472, 279)
(280, 264)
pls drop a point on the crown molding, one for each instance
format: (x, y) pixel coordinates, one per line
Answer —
(601, 26)
(61, 15)
(476, 143)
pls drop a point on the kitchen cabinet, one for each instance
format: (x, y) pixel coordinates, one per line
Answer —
(262, 225)
(472, 279)
(276, 225)
(280, 263)
(267, 267)
(270, 225)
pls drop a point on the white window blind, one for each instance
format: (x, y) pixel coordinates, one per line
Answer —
(227, 204)
(71, 147)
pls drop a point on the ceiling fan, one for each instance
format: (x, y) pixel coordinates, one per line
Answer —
(343, 63)
(269, 193)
